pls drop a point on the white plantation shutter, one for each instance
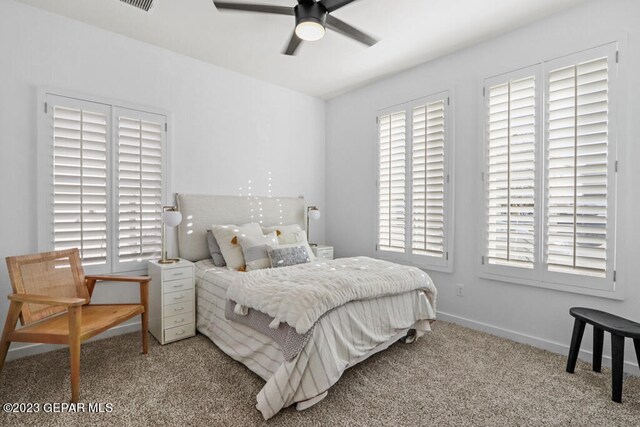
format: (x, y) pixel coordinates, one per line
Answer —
(577, 168)
(510, 177)
(551, 184)
(413, 216)
(139, 185)
(392, 182)
(428, 179)
(101, 182)
(80, 135)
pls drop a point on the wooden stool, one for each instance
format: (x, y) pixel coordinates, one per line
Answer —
(619, 328)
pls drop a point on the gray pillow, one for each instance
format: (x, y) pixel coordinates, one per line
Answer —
(288, 255)
(214, 250)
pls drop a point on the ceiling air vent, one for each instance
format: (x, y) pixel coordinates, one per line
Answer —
(140, 4)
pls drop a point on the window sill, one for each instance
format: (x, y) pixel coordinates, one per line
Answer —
(617, 294)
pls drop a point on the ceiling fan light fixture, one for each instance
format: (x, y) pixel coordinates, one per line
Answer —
(310, 31)
(311, 18)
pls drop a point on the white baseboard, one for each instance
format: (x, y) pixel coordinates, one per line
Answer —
(28, 349)
(629, 367)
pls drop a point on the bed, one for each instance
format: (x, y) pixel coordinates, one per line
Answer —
(341, 338)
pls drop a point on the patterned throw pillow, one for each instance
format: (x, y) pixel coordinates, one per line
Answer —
(227, 238)
(254, 250)
(287, 255)
(214, 250)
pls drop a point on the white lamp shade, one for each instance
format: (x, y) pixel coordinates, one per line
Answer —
(314, 214)
(171, 218)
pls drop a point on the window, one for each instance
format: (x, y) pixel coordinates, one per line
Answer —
(392, 182)
(413, 182)
(428, 179)
(550, 174)
(79, 183)
(139, 185)
(511, 172)
(102, 184)
(577, 156)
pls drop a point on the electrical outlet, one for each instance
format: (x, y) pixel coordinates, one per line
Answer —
(460, 290)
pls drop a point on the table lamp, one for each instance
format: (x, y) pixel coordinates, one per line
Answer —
(171, 217)
(312, 213)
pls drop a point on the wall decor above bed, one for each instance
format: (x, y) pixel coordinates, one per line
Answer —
(201, 211)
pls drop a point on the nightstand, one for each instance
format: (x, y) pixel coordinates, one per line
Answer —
(322, 251)
(172, 301)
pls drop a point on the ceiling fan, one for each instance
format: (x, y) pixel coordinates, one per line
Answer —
(312, 19)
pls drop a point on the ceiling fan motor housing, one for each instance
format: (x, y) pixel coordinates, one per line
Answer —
(311, 12)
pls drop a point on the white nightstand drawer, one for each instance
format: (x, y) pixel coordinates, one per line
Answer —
(179, 332)
(176, 297)
(179, 320)
(177, 285)
(325, 253)
(178, 273)
(174, 309)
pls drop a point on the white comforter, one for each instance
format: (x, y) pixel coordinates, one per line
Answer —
(301, 294)
(341, 339)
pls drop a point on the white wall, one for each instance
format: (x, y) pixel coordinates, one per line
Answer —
(528, 314)
(226, 128)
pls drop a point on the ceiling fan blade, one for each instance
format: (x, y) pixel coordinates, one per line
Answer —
(294, 43)
(347, 30)
(248, 7)
(332, 5)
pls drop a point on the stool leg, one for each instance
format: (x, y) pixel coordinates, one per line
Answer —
(636, 344)
(598, 341)
(576, 339)
(617, 366)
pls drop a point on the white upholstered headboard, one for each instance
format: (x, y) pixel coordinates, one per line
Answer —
(200, 212)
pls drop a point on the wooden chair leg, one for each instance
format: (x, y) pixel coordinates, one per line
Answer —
(144, 299)
(576, 340)
(75, 318)
(598, 342)
(617, 367)
(9, 327)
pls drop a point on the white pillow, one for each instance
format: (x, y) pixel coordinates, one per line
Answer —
(287, 233)
(290, 234)
(227, 238)
(254, 250)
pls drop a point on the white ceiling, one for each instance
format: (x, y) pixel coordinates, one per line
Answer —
(411, 32)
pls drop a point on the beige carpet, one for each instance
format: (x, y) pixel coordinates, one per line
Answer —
(453, 377)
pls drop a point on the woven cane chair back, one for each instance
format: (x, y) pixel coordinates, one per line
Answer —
(55, 274)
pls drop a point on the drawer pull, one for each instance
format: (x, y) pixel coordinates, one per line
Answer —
(180, 333)
(178, 309)
(179, 320)
(178, 274)
(179, 297)
(178, 286)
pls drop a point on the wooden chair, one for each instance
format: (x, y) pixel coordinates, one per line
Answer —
(52, 298)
